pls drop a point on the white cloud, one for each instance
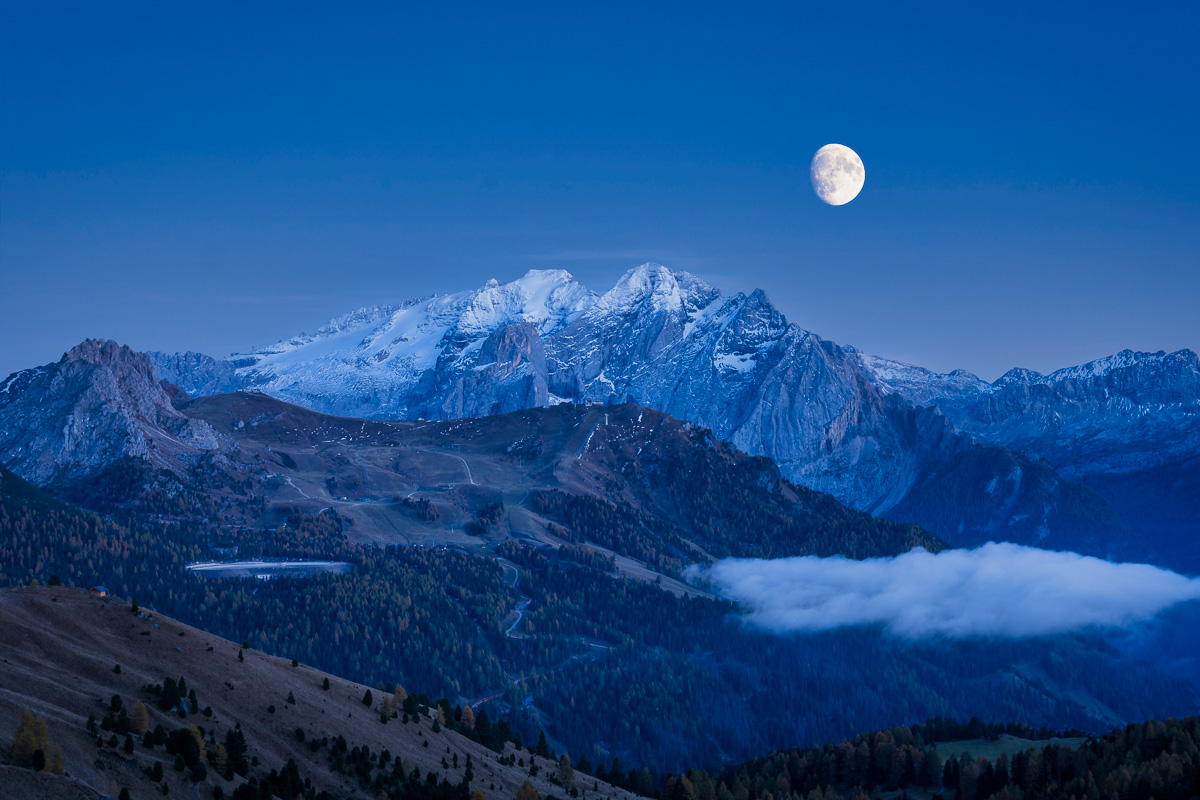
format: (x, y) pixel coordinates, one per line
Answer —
(995, 590)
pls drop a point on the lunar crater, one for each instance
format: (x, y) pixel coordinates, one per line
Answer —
(837, 174)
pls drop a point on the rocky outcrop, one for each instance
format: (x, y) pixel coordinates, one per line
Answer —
(660, 338)
(510, 375)
(1128, 411)
(1126, 426)
(197, 374)
(99, 404)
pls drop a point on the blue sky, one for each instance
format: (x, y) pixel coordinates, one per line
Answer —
(214, 177)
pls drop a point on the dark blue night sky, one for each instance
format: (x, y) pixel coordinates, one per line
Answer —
(213, 177)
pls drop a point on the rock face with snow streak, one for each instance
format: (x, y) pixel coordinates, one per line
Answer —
(197, 374)
(99, 404)
(663, 339)
(1127, 425)
(666, 340)
(1129, 410)
(415, 359)
(509, 374)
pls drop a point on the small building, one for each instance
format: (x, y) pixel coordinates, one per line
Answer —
(98, 591)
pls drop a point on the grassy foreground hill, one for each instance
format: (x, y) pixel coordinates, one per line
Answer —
(551, 640)
(61, 649)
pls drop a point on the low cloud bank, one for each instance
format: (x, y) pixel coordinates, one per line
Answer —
(994, 590)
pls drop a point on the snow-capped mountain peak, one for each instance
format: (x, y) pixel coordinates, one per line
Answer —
(858, 426)
(547, 299)
(658, 288)
(918, 384)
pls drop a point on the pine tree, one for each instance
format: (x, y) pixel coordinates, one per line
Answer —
(170, 696)
(542, 749)
(931, 769)
(236, 749)
(368, 700)
(483, 726)
(645, 784)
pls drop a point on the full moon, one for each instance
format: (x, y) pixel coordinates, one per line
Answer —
(837, 174)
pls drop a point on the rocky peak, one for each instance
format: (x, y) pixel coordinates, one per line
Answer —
(757, 321)
(102, 402)
(655, 287)
(107, 352)
(513, 345)
(1018, 375)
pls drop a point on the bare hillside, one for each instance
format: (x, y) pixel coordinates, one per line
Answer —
(59, 649)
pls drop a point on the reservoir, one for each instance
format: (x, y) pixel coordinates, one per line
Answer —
(266, 569)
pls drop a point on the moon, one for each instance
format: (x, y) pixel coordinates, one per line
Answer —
(838, 174)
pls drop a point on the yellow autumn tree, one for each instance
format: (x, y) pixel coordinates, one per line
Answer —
(55, 764)
(32, 734)
(468, 718)
(139, 719)
(566, 773)
(218, 759)
(527, 792)
(199, 737)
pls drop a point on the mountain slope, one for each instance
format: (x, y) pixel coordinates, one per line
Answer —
(1127, 426)
(99, 404)
(550, 638)
(663, 339)
(671, 492)
(642, 468)
(61, 650)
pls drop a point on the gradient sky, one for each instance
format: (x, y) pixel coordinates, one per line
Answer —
(216, 177)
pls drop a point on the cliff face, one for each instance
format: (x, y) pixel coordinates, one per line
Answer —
(100, 403)
(828, 415)
(1126, 426)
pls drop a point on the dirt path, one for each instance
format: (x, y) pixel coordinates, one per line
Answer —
(522, 602)
(467, 466)
(288, 481)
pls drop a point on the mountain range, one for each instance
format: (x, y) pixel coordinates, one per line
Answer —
(526, 563)
(1101, 458)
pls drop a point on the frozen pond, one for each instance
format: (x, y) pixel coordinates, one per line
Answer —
(265, 570)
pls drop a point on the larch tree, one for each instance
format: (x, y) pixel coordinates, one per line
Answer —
(32, 735)
(527, 792)
(218, 758)
(56, 761)
(139, 719)
(566, 773)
